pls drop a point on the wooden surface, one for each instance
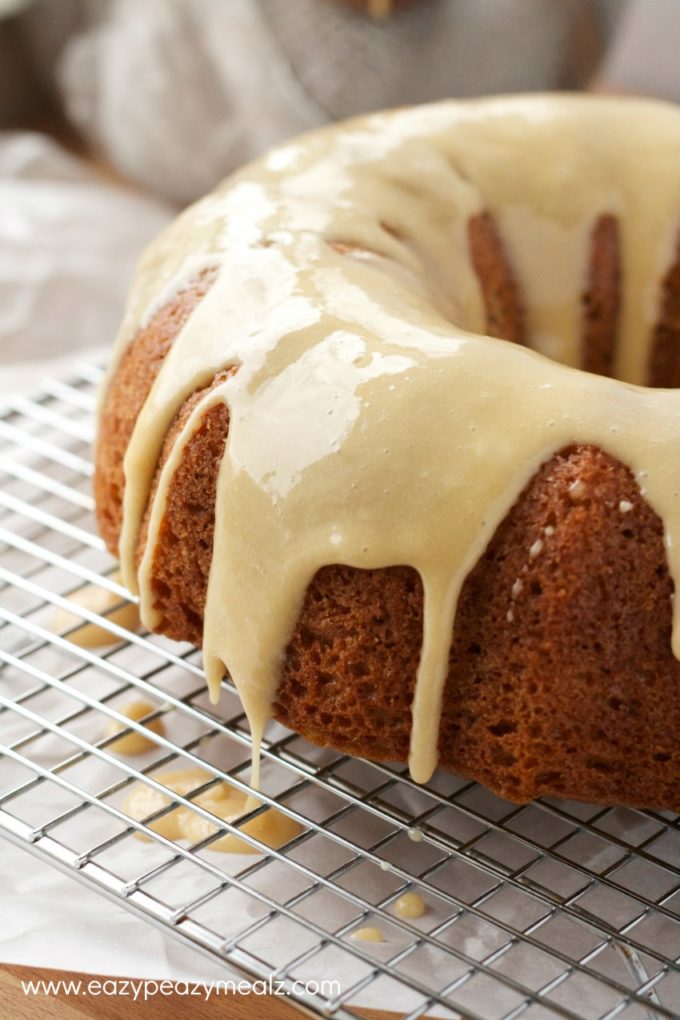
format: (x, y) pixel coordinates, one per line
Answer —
(14, 1003)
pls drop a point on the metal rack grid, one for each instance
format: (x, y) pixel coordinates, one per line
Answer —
(552, 909)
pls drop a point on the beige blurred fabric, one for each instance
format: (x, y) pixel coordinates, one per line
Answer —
(178, 94)
(643, 57)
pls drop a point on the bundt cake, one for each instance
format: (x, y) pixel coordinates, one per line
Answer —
(384, 433)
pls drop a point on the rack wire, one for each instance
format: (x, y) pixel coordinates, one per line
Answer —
(551, 909)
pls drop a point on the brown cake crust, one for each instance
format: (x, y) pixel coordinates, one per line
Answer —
(562, 680)
(183, 553)
(125, 396)
(563, 683)
(602, 298)
(664, 364)
(500, 293)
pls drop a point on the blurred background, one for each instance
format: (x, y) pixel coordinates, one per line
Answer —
(116, 113)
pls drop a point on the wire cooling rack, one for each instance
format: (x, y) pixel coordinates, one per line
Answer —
(552, 909)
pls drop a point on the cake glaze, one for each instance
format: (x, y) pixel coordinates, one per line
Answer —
(372, 423)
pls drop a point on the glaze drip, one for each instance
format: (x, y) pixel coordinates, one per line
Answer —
(371, 421)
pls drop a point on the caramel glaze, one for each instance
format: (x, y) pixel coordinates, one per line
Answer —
(372, 423)
(134, 742)
(103, 602)
(271, 827)
(409, 905)
(368, 935)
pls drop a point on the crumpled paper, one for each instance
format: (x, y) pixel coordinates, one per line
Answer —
(69, 242)
(95, 936)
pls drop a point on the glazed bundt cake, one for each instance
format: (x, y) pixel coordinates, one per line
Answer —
(384, 434)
